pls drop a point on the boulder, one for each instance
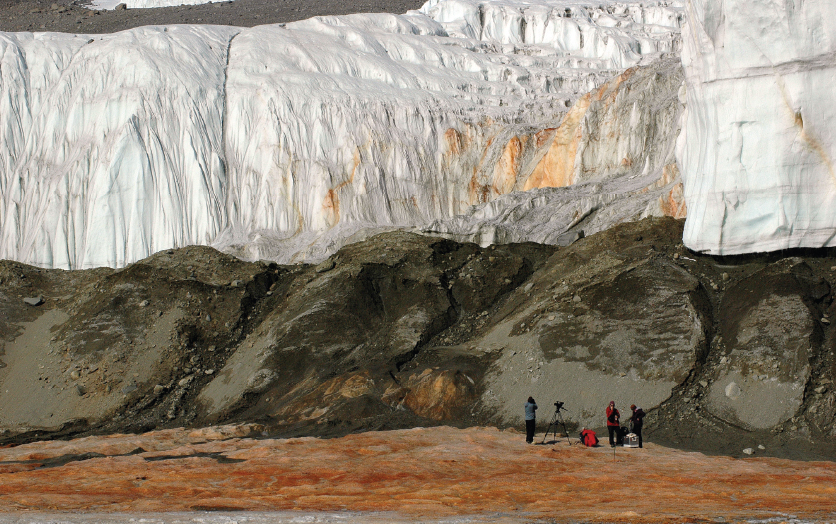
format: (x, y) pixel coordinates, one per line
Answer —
(34, 301)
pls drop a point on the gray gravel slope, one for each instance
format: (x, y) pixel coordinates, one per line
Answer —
(72, 17)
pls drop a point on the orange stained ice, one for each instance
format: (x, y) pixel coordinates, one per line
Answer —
(674, 204)
(506, 169)
(431, 472)
(557, 167)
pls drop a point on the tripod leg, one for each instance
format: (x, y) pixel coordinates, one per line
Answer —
(567, 433)
(547, 433)
(551, 422)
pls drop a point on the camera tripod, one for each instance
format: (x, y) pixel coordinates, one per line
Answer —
(553, 424)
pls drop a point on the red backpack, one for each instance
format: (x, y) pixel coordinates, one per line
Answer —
(588, 438)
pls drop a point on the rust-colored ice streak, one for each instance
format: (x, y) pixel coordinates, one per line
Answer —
(609, 91)
(459, 153)
(429, 472)
(670, 173)
(506, 170)
(331, 202)
(674, 204)
(544, 136)
(559, 166)
(331, 208)
(556, 168)
(453, 138)
(477, 192)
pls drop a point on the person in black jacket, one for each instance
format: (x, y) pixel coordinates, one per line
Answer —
(636, 422)
(529, 409)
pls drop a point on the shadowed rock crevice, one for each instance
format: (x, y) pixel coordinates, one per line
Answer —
(218, 456)
(62, 460)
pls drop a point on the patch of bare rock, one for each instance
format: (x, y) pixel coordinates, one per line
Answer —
(404, 330)
(74, 16)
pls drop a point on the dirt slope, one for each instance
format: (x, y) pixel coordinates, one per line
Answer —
(405, 330)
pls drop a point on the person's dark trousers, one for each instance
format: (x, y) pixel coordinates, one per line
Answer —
(638, 433)
(530, 431)
(613, 435)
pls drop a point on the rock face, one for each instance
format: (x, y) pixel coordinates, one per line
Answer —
(406, 330)
(757, 149)
(768, 354)
(769, 343)
(598, 326)
(284, 142)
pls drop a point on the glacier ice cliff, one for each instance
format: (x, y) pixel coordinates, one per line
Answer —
(112, 145)
(491, 121)
(287, 141)
(757, 150)
(611, 160)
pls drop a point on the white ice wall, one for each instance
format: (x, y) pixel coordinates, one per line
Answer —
(757, 150)
(111, 144)
(284, 141)
(623, 168)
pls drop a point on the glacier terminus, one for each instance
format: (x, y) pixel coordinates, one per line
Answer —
(491, 121)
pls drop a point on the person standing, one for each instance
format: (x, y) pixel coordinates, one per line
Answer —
(529, 408)
(636, 422)
(612, 423)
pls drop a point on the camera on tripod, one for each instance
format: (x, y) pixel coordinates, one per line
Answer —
(556, 420)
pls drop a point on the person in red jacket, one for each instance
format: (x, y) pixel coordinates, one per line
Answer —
(588, 438)
(612, 424)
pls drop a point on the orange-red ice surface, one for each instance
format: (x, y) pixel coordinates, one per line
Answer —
(415, 474)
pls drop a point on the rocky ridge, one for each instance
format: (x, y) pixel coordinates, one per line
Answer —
(404, 330)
